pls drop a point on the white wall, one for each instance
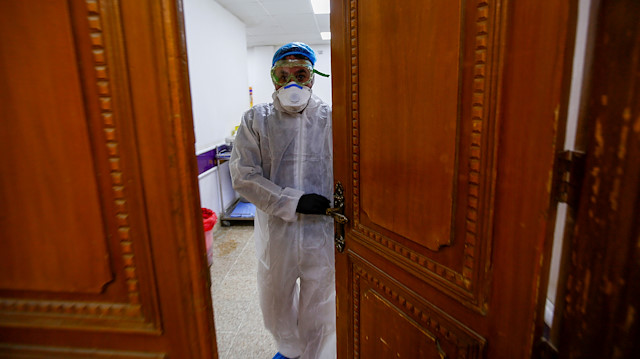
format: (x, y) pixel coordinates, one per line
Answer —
(259, 66)
(322, 85)
(217, 53)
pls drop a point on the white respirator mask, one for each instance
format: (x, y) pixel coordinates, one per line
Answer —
(293, 97)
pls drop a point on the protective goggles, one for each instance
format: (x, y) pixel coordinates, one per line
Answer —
(298, 70)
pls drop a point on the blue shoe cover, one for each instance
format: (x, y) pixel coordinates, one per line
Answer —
(279, 356)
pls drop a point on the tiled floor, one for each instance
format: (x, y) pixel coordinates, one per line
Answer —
(239, 329)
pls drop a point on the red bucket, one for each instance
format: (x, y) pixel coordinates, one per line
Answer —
(209, 219)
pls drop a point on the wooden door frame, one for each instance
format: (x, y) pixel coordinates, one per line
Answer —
(163, 23)
(602, 288)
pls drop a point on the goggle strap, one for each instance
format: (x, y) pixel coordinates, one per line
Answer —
(320, 73)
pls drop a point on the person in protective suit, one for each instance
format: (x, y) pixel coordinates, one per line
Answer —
(282, 161)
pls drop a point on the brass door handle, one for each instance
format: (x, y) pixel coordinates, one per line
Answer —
(335, 213)
(338, 215)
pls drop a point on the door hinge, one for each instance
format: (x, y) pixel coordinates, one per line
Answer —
(544, 350)
(570, 165)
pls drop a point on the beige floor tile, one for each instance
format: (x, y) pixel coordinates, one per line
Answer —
(239, 328)
(228, 245)
(236, 287)
(219, 271)
(224, 341)
(252, 341)
(247, 262)
(229, 316)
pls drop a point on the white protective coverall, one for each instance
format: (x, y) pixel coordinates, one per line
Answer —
(277, 157)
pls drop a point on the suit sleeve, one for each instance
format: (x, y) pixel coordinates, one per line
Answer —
(249, 181)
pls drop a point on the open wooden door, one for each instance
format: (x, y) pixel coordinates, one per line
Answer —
(445, 118)
(101, 250)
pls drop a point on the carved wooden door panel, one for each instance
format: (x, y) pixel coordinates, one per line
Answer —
(101, 252)
(444, 129)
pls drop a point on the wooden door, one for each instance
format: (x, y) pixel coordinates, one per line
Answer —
(102, 251)
(445, 118)
(602, 293)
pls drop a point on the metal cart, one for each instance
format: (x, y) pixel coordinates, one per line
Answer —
(223, 154)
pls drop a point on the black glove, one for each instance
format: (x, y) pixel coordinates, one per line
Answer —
(312, 203)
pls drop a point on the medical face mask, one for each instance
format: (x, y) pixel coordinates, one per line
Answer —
(293, 97)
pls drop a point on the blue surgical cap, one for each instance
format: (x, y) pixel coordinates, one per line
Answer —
(295, 48)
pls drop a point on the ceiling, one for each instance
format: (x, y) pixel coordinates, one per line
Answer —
(277, 22)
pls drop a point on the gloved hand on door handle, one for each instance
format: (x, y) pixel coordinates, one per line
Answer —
(312, 203)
